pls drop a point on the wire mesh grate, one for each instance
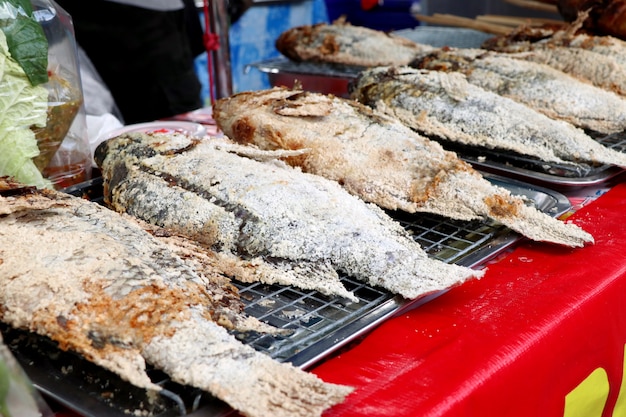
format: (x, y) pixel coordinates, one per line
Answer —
(312, 317)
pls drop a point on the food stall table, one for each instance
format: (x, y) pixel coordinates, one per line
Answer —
(542, 333)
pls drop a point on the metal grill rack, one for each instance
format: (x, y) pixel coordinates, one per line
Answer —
(320, 324)
(615, 141)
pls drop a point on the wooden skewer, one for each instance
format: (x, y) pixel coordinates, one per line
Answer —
(515, 21)
(535, 5)
(458, 21)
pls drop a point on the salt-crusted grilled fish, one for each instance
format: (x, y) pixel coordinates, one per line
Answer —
(379, 159)
(446, 106)
(343, 43)
(98, 284)
(569, 36)
(267, 210)
(600, 60)
(545, 89)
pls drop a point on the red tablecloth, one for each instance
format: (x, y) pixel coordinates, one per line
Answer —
(542, 334)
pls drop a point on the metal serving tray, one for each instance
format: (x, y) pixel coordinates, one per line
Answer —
(543, 173)
(322, 78)
(320, 324)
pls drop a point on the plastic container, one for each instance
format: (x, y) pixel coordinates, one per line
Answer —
(63, 143)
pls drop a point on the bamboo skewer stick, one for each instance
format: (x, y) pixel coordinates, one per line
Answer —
(458, 21)
(515, 21)
(535, 5)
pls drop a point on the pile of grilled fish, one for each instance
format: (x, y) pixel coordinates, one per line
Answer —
(380, 160)
(99, 284)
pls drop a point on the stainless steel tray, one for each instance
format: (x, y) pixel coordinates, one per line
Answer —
(542, 173)
(322, 78)
(320, 324)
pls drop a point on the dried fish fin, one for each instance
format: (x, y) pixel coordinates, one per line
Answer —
(319, 276)
(261, 155)
(251, 382)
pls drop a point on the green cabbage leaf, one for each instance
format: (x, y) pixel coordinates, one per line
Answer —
(26, 39)
(22, 105)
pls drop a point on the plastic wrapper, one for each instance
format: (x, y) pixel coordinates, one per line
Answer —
(63, 143)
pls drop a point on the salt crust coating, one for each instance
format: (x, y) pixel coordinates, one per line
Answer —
(343, 43)
(599, 60)
(278, 213)
(446, 105)
(540, 86)
(380, 160)
(98, 284)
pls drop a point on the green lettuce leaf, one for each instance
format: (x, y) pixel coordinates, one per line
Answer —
(22, 105)
(26, 39)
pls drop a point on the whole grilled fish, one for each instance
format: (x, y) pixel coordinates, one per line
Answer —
(266, 209)
(569, 36)
(545, 89)
(343, 43)
(98, 284)
(599, 60)
(379, 159)
(446, 105)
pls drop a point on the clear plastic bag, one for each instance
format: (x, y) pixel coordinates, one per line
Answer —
(65, 157)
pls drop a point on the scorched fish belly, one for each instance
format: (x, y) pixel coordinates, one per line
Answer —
(98, 284)
(266, 209)
(379, 159)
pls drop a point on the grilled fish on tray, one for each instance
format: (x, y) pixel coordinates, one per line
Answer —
(599, 60)
(545, 89)
(379, 159)
(244, 202)
(446, 106)
(98, 284)
(343, 43)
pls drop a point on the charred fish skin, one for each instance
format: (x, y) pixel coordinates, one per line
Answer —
(301, 218)
(446, 105)
(540, 86)
(343, 43)
(379, 159)
(98, 284)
